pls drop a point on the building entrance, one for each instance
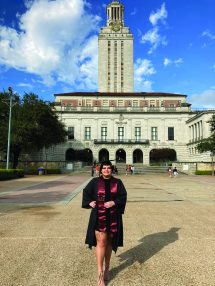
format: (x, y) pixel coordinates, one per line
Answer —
(84, 155)
(103, 155)
(120, 156)
(137, 156)
(70, 155)
(162, 156)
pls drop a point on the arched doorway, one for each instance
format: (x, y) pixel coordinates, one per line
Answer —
(103, 155)
(120, 156)
(87, 156)
(70, 155)
(137, 156)
(84, 155)
(162, 156)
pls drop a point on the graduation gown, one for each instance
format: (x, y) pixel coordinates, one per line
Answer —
(89, 195)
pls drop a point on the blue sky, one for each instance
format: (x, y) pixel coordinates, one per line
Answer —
(49, 47)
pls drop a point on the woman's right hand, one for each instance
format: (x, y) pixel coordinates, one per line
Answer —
(92, 204)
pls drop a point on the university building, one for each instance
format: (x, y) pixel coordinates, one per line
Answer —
(119, 124)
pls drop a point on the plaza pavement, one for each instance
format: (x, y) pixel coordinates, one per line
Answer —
(169, 232)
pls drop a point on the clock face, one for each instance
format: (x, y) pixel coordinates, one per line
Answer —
(115, 26)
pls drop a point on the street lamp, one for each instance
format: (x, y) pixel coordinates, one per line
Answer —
(9, 126)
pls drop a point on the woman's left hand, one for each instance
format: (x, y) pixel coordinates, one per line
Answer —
(109, 204)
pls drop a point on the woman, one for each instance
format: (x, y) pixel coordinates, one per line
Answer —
(106, 196)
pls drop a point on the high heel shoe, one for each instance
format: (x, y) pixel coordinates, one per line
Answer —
(101, 279)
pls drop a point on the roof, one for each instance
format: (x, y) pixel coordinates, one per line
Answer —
(120, 94)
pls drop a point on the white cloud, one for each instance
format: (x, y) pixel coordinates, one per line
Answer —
(206, 99)
(146, 86)
(89, 62)
(167, 62)
(28, 85)
(214, 66)
(55, 45)
(134, 12)
(208, 34)
(154, 38)
(177, 62)
(161, 15)
(142, 69)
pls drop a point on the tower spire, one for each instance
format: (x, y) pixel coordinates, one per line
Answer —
(115, 13)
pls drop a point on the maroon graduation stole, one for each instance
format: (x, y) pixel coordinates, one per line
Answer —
(102, 219)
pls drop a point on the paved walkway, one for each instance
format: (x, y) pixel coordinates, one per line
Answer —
(37, 190)
(168, 232)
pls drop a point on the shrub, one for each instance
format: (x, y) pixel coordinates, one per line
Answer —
(53, 171)
(206, 172)
(11, 174)
(31, 172)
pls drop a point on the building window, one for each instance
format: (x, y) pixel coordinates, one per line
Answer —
(171, 133)
(68, 106)
(152, 103)
(104, 133)
(154, 133)
(71, 133)
(120, 103)
(120, 133)
(137, 133)
(105, 102)
(88, 102)
(87, 134)
(135, 103)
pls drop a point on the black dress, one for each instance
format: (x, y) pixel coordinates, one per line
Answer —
(89, 195)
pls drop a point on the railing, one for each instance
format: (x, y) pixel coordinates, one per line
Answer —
(120, 141)
(153, 109)
(170, 109)
(120, 109)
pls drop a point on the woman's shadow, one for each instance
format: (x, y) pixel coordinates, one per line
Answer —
(149, 246)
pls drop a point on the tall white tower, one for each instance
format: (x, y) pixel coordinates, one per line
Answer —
(115, 70)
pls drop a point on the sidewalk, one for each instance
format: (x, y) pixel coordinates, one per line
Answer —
(168, 237)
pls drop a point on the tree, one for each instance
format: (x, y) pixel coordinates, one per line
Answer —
(34, 125)
(208, 144)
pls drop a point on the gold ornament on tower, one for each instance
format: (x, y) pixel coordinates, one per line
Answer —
(115, 26)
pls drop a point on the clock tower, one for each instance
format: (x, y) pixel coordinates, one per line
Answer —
(115, 70)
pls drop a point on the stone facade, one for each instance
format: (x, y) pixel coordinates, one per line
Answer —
(115, 61)
(198, 129)
(123, 125)
(129, 122)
